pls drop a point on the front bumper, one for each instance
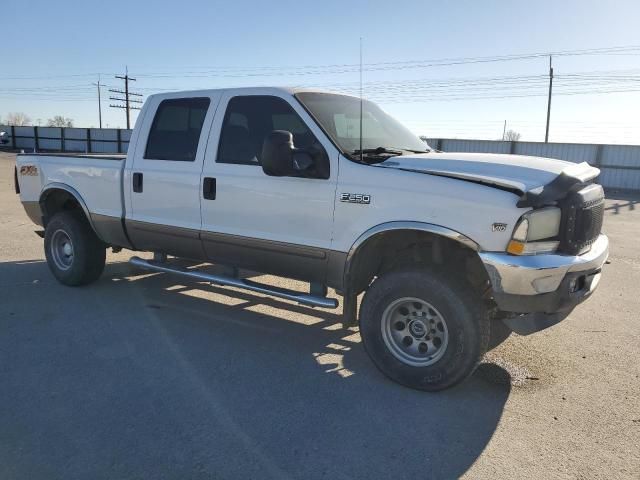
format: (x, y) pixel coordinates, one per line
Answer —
(545, 283)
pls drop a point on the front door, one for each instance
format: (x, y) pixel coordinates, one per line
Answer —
(278, 225)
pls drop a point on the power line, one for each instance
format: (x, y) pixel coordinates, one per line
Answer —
(430, 89)
(400, 99)
(349, 68)
(450, 84)
(237, 72)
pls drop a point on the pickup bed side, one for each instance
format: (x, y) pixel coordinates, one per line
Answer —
(93, 181)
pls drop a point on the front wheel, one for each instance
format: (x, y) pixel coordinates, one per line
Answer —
(75, 255)
(423, 331)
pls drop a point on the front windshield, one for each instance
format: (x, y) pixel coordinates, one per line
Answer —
(339, 116)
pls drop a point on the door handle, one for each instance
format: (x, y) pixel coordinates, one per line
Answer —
(137, 182)
(209, 188)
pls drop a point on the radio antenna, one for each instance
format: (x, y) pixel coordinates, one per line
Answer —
(361, 153)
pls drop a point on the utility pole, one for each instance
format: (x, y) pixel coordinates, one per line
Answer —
(546, 135)
(99, 102)
(127, 94)
(504, 130)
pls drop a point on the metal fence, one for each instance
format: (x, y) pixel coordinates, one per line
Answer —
(619, 164)
(86, 140)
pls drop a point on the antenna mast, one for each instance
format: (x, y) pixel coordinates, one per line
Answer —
(546, 134)
(361, 153)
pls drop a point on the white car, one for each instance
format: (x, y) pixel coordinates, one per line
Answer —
(4, 138)
(452, 251)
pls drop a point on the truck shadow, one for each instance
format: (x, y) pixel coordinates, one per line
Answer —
(151, 375)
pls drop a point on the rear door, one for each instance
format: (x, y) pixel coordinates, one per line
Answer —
(278, 225)
(164, 180)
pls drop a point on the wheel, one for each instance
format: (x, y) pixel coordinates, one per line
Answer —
(499, 333)
(75, 255)
(422, 330)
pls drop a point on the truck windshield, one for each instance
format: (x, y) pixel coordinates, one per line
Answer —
(339, 116)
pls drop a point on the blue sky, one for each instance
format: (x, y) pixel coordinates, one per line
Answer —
(53, 51)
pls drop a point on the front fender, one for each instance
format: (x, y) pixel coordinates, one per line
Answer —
(438, 230)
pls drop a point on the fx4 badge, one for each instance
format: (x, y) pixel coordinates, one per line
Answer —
(29, 170)
(355, 198)
(498, 227)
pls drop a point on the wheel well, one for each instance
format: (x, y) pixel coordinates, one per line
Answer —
(57, 200)
(403, 248)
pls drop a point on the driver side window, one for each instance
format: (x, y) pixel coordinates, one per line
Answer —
(247, 122)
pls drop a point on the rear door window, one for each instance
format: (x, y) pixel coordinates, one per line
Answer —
(176, 128)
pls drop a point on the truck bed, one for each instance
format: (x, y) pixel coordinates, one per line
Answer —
(97, 178)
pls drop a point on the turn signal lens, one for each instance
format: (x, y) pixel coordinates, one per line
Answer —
(531, 248)
(515, 247)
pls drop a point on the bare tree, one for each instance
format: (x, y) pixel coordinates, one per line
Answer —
(512, 136)
(60, 121)
(18, 119)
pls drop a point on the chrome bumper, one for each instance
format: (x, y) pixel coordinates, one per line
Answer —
(514, 277)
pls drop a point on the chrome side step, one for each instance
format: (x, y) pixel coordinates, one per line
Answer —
(303, 298)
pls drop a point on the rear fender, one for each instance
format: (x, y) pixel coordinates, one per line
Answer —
(52, 188)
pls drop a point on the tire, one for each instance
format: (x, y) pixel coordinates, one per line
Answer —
(499, 333)
(75, 255)
(463, 335)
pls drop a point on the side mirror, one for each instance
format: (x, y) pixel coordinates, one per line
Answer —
(280, 158)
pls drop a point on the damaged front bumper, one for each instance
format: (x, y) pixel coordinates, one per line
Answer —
(545, 286)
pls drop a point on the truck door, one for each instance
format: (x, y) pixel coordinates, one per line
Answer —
(278, 225)
(164, 213)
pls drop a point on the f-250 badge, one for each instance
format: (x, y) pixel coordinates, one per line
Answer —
(364, 198)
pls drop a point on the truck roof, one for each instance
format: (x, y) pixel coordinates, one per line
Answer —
(248, 91)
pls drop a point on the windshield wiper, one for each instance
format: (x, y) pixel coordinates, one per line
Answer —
(375, 155)
(412, 150)
(378, 151)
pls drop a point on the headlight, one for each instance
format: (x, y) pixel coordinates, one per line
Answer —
(536, 232)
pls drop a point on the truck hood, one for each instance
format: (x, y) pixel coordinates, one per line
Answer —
(517, 173)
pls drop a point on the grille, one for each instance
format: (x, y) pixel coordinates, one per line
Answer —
(582, 215)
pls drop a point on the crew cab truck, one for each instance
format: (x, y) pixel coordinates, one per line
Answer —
(453, 251)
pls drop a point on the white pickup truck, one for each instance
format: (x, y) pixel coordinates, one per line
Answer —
(452, 251)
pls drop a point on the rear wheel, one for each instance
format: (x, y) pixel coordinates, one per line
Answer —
(423, 331)
(75, 255)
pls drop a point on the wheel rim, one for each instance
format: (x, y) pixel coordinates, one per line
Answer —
(61, 250)
(414, 331)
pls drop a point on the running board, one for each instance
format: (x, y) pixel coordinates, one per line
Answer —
(303, 298)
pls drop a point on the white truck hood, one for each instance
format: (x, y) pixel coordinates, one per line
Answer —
(514, 172)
